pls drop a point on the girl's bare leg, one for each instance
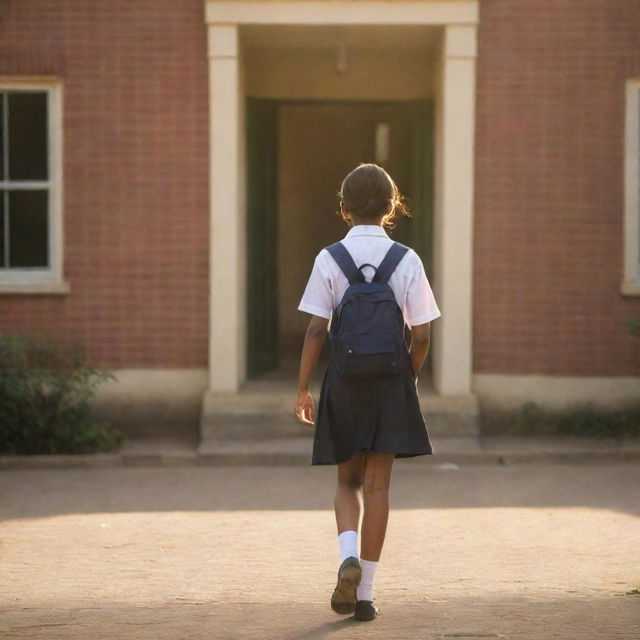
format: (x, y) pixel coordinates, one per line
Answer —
(377, 478)
(348, 499)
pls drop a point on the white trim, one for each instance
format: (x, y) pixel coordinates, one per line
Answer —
(226, 253)
(222, 41)
(631, 282)
(43, 280)
(453, 212)
(168, 386)
(510, 391)
(328, 13)
(460, 42)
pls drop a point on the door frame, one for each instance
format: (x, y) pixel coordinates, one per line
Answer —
(454, 170)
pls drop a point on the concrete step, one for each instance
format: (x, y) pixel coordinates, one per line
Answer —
(264, 410)
(450, 453)
(297, 451)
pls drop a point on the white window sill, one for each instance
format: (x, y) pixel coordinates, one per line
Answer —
(630, 288)
(58, 287)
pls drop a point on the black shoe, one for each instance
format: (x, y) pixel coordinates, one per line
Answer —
(366, 611)
(344, 598)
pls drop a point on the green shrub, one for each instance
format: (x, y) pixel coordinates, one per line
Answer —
(46, 391)
(581, 420)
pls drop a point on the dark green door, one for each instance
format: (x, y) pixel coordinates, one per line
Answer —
(420, 117)
(262, 236)
(410, 163)
(421, 123)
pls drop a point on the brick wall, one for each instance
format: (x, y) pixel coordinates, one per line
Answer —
(135, 94)
(548, 214)
(549, 187)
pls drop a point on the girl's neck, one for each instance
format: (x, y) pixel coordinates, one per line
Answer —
(356, 222)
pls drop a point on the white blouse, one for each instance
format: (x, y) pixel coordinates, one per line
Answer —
(369, 243)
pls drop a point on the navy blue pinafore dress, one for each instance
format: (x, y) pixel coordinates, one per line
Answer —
(380, 414)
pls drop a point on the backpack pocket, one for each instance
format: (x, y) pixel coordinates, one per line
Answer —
(377, 354)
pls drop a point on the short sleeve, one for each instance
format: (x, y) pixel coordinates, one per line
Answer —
(420, 303)
(317, 298)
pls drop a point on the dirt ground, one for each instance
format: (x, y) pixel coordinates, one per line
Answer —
(523, 551)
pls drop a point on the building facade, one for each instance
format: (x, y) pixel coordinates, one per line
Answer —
(169, 171)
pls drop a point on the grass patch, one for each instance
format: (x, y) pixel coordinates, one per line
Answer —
(583, 420)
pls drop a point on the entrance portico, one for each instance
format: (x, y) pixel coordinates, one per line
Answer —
(453, 206)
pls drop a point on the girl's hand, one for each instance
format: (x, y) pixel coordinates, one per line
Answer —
(304, 408)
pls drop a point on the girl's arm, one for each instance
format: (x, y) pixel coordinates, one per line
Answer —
(420, 338)
(313, 341)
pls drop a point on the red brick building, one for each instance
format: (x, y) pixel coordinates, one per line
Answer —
(169, 171)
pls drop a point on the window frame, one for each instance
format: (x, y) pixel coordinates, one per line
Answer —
(42, 279)
(631, 280)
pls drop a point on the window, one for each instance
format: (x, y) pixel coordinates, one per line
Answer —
(631, 282)
(30, 188)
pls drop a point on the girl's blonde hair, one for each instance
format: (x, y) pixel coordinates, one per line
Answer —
(369, 192)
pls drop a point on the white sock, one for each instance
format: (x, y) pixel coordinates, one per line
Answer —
(348, 541)
(365, 588)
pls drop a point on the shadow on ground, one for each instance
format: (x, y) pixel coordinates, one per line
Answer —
(37, 493)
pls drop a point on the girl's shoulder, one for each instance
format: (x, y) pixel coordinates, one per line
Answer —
(323, 261)
(411, 258)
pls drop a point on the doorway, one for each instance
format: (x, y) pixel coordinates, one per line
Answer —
(297, 153)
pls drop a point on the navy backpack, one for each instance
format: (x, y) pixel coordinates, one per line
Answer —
(367, 331)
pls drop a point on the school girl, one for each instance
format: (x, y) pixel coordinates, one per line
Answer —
(363, 424)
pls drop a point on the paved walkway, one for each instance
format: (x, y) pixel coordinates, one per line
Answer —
(297, 451)
(195, 552)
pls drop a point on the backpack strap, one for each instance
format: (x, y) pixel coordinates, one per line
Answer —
(340, 254)
(390, 262)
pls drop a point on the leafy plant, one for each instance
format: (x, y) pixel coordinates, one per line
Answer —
(46, 392)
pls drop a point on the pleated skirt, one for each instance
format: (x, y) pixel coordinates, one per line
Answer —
(379, 414)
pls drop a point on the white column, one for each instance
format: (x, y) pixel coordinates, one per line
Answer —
(226, 274)
(453, 220)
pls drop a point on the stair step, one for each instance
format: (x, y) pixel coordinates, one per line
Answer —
(264, 410)
(298, 451)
